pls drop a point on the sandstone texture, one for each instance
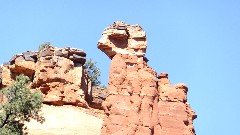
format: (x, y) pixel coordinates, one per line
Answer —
(69, 99)
(139, 102)
(173, 114)
(59, 76)
(66, 120)
(57, 72)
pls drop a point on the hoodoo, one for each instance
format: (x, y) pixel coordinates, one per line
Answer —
(139, 101)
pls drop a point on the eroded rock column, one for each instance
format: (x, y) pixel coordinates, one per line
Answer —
(138, 103)
(174, 115)
(132, 83)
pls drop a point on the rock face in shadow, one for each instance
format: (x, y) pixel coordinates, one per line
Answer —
(138, 102)
(98, 96)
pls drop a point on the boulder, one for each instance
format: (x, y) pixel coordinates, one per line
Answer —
(79, 59)
(30, 56)
(12, 60)
(98, 96)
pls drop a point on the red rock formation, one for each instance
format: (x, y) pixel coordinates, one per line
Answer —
(98, 96)
(59, 75)
(173, 113)
(56, 72)
(136, 103)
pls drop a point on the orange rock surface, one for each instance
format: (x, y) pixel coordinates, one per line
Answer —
(138, 102)
(56, 72)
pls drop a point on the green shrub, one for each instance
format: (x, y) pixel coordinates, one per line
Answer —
(93, 72)
(41, 46)
(20, 106)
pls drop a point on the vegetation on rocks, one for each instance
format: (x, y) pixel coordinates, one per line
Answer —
(93, 72)
(41, 46)
(18, 106)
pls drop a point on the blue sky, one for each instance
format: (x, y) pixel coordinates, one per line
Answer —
(196, 42)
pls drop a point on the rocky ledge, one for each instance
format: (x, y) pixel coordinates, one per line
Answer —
(57, 72)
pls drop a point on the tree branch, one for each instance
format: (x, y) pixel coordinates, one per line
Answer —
(5, 121)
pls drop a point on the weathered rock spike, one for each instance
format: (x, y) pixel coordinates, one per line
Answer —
(136, 103)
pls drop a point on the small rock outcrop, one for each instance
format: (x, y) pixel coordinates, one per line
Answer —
(59, 76)
(98, 96)
(138, 102)
(56, 72)
(173, 115)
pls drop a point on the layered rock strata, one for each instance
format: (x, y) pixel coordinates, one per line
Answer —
(56, 72)
(173, 115)
(138, 103)
(59, 76)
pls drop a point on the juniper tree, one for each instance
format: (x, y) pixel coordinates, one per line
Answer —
(20, 106)
(93, 72)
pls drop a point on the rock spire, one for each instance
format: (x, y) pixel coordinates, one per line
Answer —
(139, 101)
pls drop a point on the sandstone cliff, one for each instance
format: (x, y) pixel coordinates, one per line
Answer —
(56, 72)
(138, 103)
(59, 74)
(66, 120)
